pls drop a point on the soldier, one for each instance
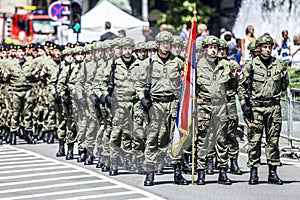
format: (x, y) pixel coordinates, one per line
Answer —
(67, 60)
(121, 96)
(140, 50)
(212, 83)
(151, 48)
(177, 46)
(163, 75)
(21, 75)
(265, 78)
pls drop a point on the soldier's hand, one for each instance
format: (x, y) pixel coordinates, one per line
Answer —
(66, 98)
(57, 98)
(247, 111)
(108, 100)
(76, 97)
(82, 101)
(94, 99)
(146, 103)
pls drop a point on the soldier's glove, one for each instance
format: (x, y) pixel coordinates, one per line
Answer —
(94, 99)
(57, 97)
(108, 100)
(82, 101)
(66, 98)
(247, 112)
(76, 98)
(102, 100)
(146, 103)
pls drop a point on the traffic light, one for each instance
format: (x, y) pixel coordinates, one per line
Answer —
(66, 13)
(76, 12)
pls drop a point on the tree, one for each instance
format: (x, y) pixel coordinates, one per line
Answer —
(181, 12)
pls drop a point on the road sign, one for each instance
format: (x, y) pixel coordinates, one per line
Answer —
(55, 11)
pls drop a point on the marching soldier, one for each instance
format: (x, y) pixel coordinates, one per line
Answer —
(214, 80)
(163, 75)
(265, 78)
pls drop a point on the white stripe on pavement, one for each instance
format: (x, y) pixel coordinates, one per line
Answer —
(33, 169)
(49, 186)
(103, 195)
(39, 174)
(8, 152)
(61, 192)
(12, 159)
(16, 155)
(45, 180)
(22, 162)
(119, 184)
(32, 165)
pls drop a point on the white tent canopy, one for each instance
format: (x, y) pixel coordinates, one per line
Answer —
(93, 23)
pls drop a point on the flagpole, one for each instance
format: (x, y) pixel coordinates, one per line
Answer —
(193, 120)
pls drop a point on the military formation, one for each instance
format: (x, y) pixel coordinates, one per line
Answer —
(118, 100)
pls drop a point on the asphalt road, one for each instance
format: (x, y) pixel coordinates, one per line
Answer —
(33, 172)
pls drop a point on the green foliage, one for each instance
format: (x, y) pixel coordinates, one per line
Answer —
(181, 12)
(294, 77)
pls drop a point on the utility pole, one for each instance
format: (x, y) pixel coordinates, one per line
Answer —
(145, 10)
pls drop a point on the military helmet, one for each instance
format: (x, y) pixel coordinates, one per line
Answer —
(67, 51)
(198, 45)
(210, 40)
(116, 41)
(151, 45)
(140, 45)
(127, 41)
(98, 45)
(223, 44)
(164, 36)
(177, 40)
(252, 46)
(88, 47)
(79, 49)
(264, 39)
(107, 44)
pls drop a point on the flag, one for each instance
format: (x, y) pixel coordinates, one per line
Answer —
(185, 109)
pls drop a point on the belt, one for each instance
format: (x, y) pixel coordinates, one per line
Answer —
(265, 103)
(163, 99)
(128, 98)
(211, 101)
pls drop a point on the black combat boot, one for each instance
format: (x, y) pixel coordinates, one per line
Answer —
(82, 155)
(223, 179)
(234, 167)
(149, 180)
(61, 148)
(13, 138)
(89, 158)
(210, 166)
(39, 132)
(178, 178)
(100, 160)
(50, 137)
(70, 154)
(46, 136)
(273, 177)
(29, 137)
(113, 168)
(186, 168)
(129, 165)
(253, 176)
(201, 177)
(106, 164)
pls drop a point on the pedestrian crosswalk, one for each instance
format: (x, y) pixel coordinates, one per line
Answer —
(28, 175)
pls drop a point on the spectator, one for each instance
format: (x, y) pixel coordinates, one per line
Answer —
(163, 27)
(295, 52)
(249, 37)
(147, 33)
(108, 35)
(122, 33)
(232, 50)
(284, 45)
(202, 32)
(239, 51)
(184, 33)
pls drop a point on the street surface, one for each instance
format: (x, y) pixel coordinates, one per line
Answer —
(33, 172)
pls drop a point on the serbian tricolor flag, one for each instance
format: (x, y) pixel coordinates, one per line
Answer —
(187, 95)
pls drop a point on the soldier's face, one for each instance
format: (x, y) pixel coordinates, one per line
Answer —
(117, 51)
(79, 57)
(108, 53)
(212, 50)
(141, 54)
(56, 53)
(20, 53)
(222, 53)
(69, 58)
(127, 51)
(266, 50)
(88, 55)
(41, 52)
(164, 47)
(176, 49)
(99, 53)
(151, 52)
